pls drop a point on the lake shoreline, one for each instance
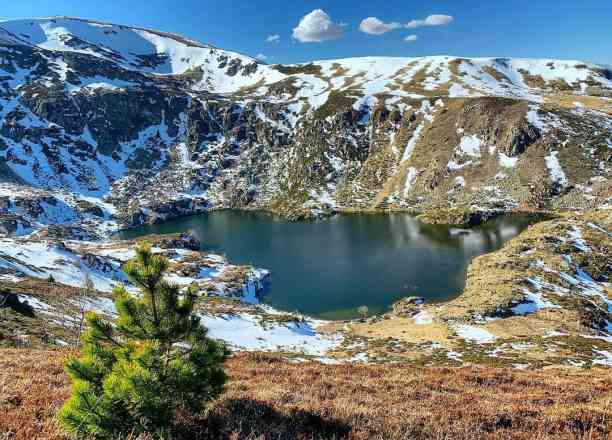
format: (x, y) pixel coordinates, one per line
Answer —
(527, 305)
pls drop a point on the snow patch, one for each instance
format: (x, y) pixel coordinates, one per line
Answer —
(246, 333)
(474, 334)
(554, 167)
(507, 161)
(470, 145)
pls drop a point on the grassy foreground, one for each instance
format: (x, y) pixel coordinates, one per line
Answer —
(270, 398)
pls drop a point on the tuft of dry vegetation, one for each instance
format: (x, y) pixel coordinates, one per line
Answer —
(270, 398)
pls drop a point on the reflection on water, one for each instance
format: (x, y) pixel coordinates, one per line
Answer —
(329, 268)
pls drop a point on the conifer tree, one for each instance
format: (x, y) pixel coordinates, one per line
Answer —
(155, 361)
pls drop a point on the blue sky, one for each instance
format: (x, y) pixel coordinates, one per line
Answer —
(519, 28)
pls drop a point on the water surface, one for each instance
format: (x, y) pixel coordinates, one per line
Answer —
(328, 268)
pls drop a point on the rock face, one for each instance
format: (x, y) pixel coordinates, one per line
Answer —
(134, 126)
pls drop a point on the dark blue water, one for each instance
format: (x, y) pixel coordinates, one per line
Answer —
(329, 268)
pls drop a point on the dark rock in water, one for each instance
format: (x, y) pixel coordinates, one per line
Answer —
(458, 216)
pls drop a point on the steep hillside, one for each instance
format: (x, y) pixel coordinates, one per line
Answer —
(147, 125)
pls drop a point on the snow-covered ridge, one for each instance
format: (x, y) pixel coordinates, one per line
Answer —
(110, 41)
(161, 53)
(460, 77)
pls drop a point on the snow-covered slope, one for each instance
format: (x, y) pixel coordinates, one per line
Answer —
(124, 45)
(143, 50)
(451, 76)
(148, 125)
(155, 52)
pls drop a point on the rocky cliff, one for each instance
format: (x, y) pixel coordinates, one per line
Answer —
(129, 125)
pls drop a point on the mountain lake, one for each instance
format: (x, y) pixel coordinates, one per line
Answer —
(328, 268)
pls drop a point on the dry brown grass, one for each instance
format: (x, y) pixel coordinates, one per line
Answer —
(403, 329)
(591, 102)
(496, 74)
(269, 398)
(42, 288)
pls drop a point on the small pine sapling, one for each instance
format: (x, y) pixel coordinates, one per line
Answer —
(137, 374)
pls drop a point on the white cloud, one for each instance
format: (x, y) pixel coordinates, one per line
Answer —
(374, 26)
(411, 38)
(432, 20)
(261, 57)
(273, 38)
(317, 27)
